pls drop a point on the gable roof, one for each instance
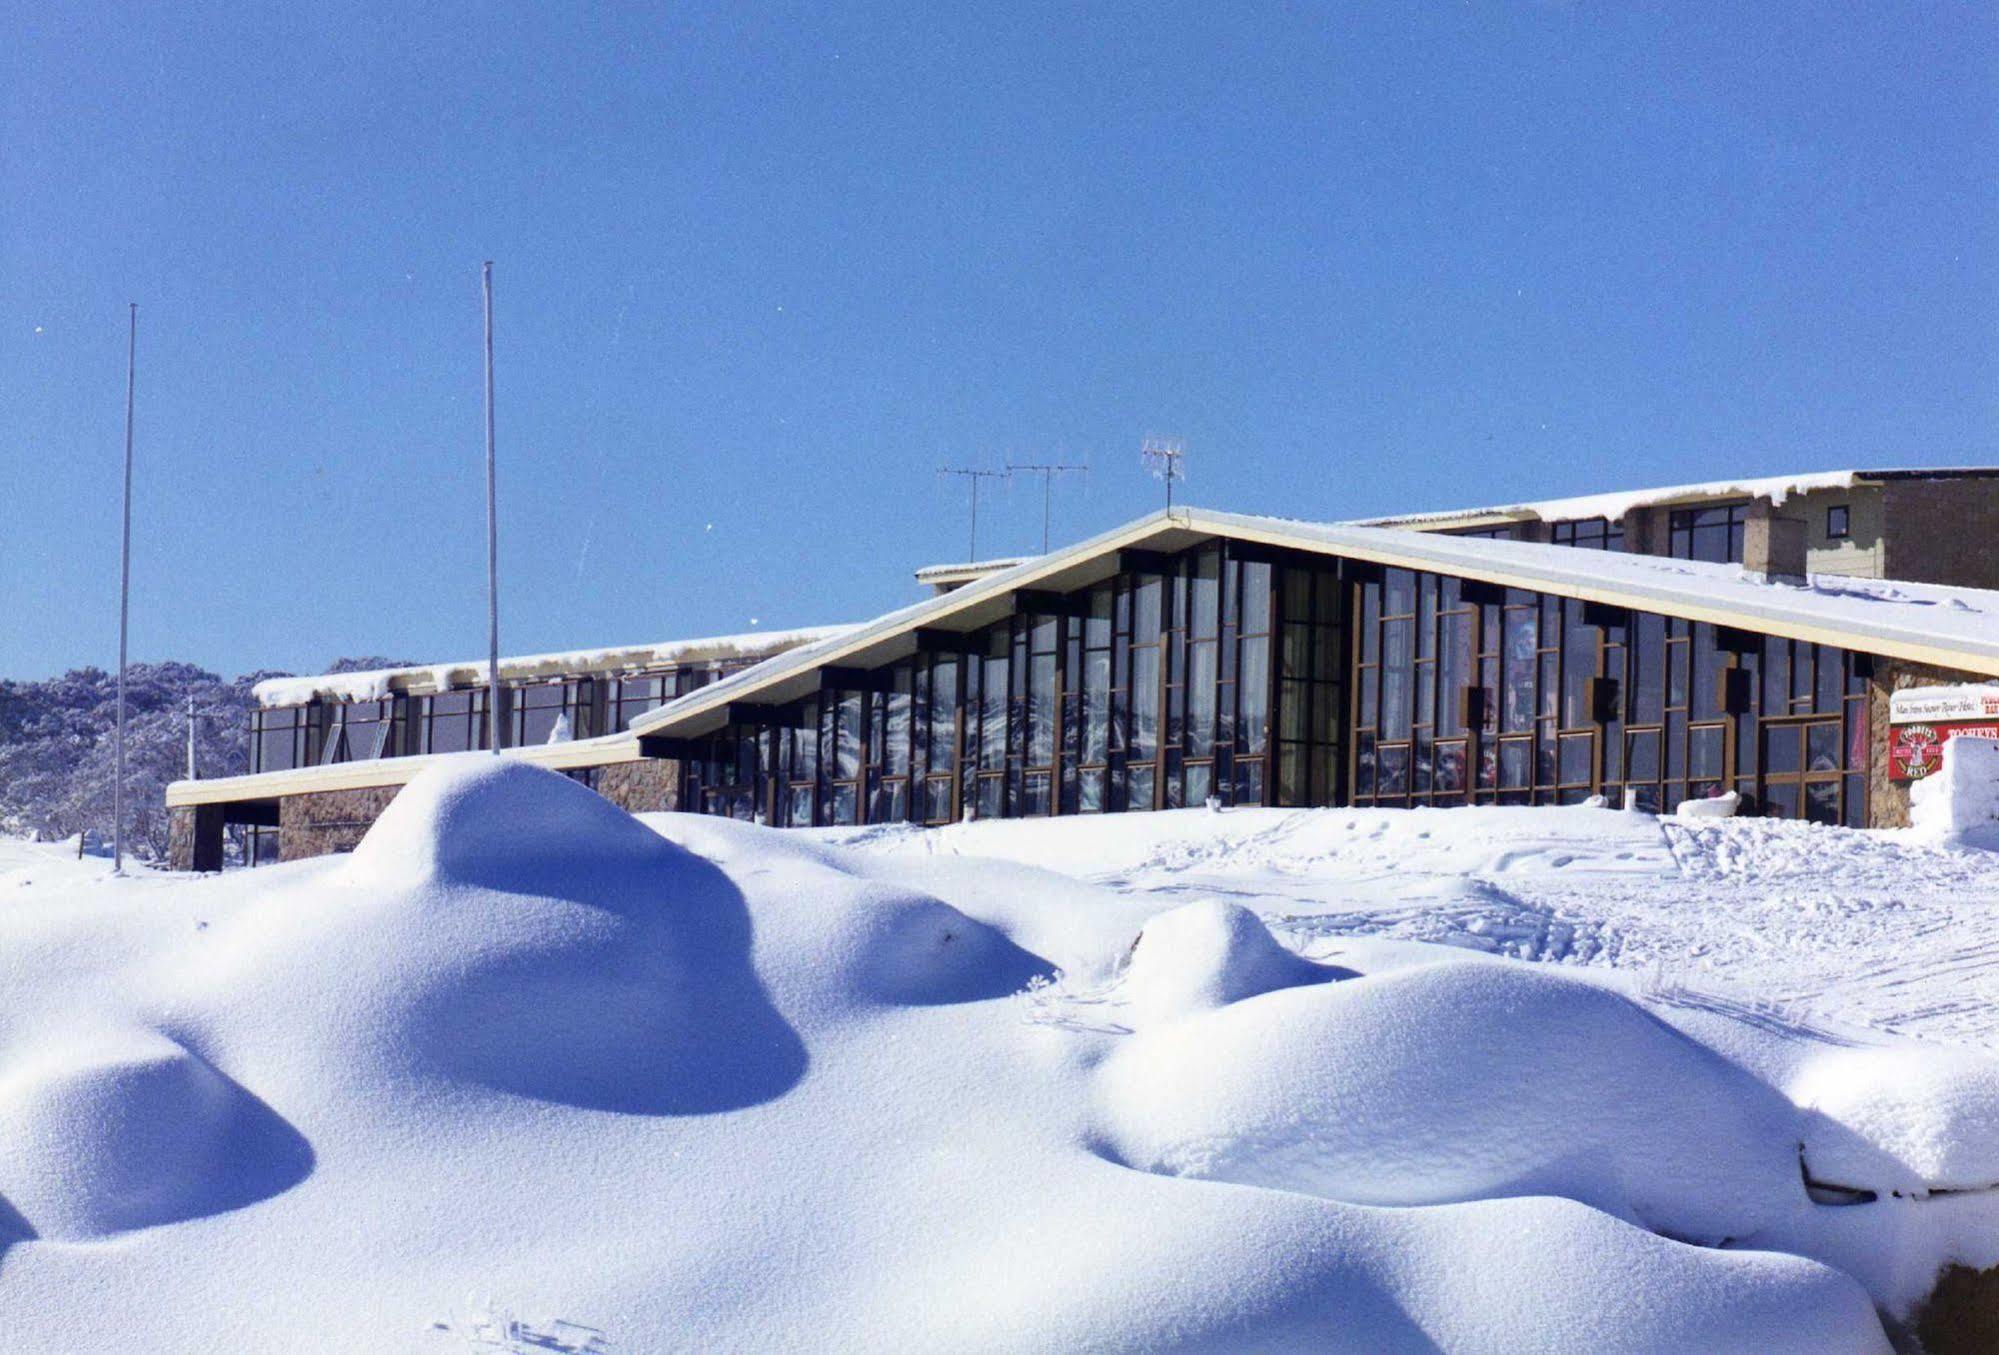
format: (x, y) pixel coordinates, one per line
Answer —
(1925, 623)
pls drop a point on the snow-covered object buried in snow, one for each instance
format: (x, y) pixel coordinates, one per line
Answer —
(1454, 1082)
(1206, 955)
(1958, 804)
(1903, 1118)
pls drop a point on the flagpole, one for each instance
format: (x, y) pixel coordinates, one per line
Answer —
(492, 540)
(124, 601)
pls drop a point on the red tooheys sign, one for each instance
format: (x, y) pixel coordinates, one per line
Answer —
(1921, 721)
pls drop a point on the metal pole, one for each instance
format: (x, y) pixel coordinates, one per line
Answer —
(124, 601)
(492, 540)
(973, 549)
(190, 739)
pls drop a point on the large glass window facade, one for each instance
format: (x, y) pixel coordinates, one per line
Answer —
(1152, 689)
(1257, 676)
(322, 732)
(1552, 700)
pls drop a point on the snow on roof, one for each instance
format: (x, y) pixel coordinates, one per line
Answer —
(968, 568)
(375, 684)
(1877, 610)
(1617, 503)
(1957, 627)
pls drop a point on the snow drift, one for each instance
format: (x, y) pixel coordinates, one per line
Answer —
(1209, 954)
(704, 1085)
(1458, 1082)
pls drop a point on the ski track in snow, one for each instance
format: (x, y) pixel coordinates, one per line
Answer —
(1789, 923)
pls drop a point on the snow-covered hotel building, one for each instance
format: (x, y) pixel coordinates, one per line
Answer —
(1671, 644)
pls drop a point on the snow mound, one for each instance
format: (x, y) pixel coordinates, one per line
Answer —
(1908, 1119)
(1958, 804)
(473, 818)
(1206, 955)
(1457, 1082)
(885, 945)
(110, 1130)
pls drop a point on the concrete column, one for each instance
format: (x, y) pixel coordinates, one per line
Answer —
(1645, 531)
(1773, 546)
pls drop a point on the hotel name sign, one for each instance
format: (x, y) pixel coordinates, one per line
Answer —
(1922, 719)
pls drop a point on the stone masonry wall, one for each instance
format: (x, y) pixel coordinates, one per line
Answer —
(329, 820)
(180, 837)
(1888, 801)
(644, 786)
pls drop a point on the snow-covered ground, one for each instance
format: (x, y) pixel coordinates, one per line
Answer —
(1803, 922)
(526, 1074)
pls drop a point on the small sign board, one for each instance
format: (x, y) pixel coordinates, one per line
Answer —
(1922, 719)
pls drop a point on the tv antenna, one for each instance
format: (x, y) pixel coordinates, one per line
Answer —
(974, 476)
(1047, 471)
(1165, 458)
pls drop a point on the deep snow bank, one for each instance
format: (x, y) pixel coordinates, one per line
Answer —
(1458, 1082)
(703, 1085)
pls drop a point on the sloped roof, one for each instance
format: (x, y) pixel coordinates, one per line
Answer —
(1927, 623)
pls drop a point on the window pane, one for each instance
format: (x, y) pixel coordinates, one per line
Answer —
(1255, 598)
(1205, 619)
(896, 751)
(847, 738)
(1704, 745)
(1392, 770)
(1450, 768)
(1145, 610)
(1822, 747)
(943, 715)
(1140, 792)
(1200, 782)
(1255, 693)
(1397, 658)
(1520, 643)
(937, 799)
(1578, 751)
(1144, 703)
(1201, 698)
(1780, 749)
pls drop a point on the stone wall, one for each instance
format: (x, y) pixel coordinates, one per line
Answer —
(194, 837)
(645, 786)
(1887, 800)
(1941, 531)
(328, 820)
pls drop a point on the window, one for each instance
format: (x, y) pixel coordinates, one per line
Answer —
(279, 738)
(1838, 522)
(1712, 534)
(1588, 533)
(548, 712)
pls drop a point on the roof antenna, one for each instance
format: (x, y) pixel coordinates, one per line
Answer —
(1047, 471)
(1165, 458)
(974, 476)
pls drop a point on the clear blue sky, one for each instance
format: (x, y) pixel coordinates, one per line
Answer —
(761, 270)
